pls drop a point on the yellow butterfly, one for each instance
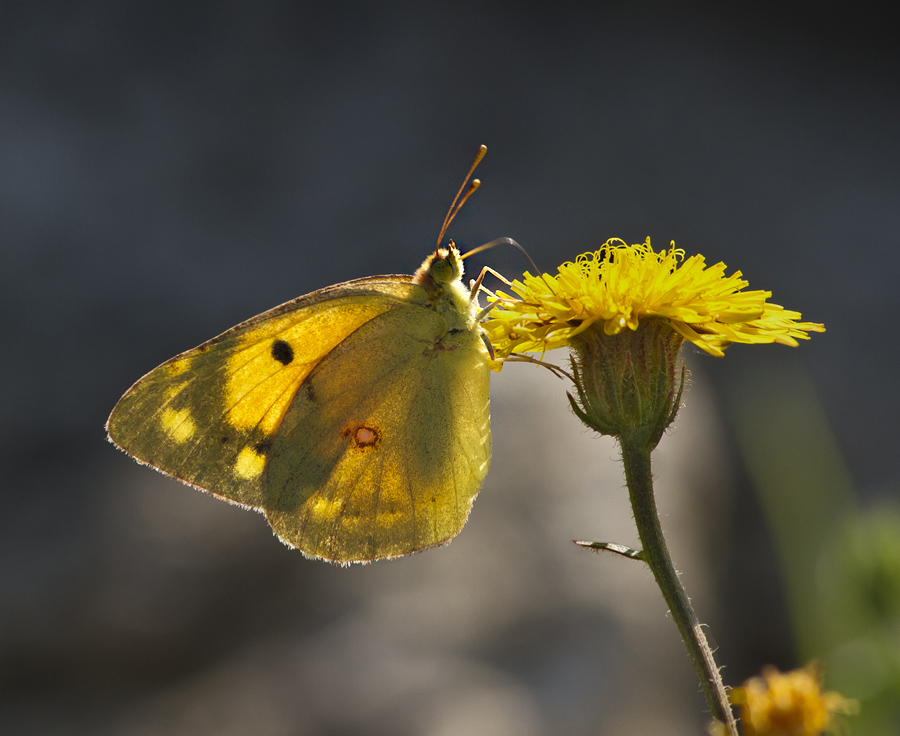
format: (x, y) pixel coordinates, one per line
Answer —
(356, 417)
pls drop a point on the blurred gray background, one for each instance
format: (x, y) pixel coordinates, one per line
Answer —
(168, 169)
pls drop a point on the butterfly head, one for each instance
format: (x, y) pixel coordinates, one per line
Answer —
(444, 266)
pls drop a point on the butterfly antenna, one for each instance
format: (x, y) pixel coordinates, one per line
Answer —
(494, 244)
(455, 208)
(501, 241)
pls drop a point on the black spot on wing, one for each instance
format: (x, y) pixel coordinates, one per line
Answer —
(282, 352)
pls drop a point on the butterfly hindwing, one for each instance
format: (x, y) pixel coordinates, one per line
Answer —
(381, 457)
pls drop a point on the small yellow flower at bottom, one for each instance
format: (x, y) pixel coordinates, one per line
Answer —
(789, 704)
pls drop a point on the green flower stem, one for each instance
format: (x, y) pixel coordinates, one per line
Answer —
(636, 457)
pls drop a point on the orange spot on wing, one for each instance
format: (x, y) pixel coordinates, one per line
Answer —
(362, 436)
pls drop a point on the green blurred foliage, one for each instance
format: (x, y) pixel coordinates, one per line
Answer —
(840, 562)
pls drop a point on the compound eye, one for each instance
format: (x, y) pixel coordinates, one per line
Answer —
(442, 271)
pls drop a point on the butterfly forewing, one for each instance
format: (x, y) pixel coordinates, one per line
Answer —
(199, 416)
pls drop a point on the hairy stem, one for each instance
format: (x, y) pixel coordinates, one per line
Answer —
(636, 457)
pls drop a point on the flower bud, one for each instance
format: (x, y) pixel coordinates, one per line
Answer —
(630, 381)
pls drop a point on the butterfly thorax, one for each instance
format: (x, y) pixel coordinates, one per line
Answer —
(440, 275)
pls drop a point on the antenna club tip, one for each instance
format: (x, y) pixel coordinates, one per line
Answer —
(455, 208)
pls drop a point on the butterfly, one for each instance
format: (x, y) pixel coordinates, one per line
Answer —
(355, 418)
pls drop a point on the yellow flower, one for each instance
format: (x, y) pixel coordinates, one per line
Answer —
(621, 285)
(789, 704)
